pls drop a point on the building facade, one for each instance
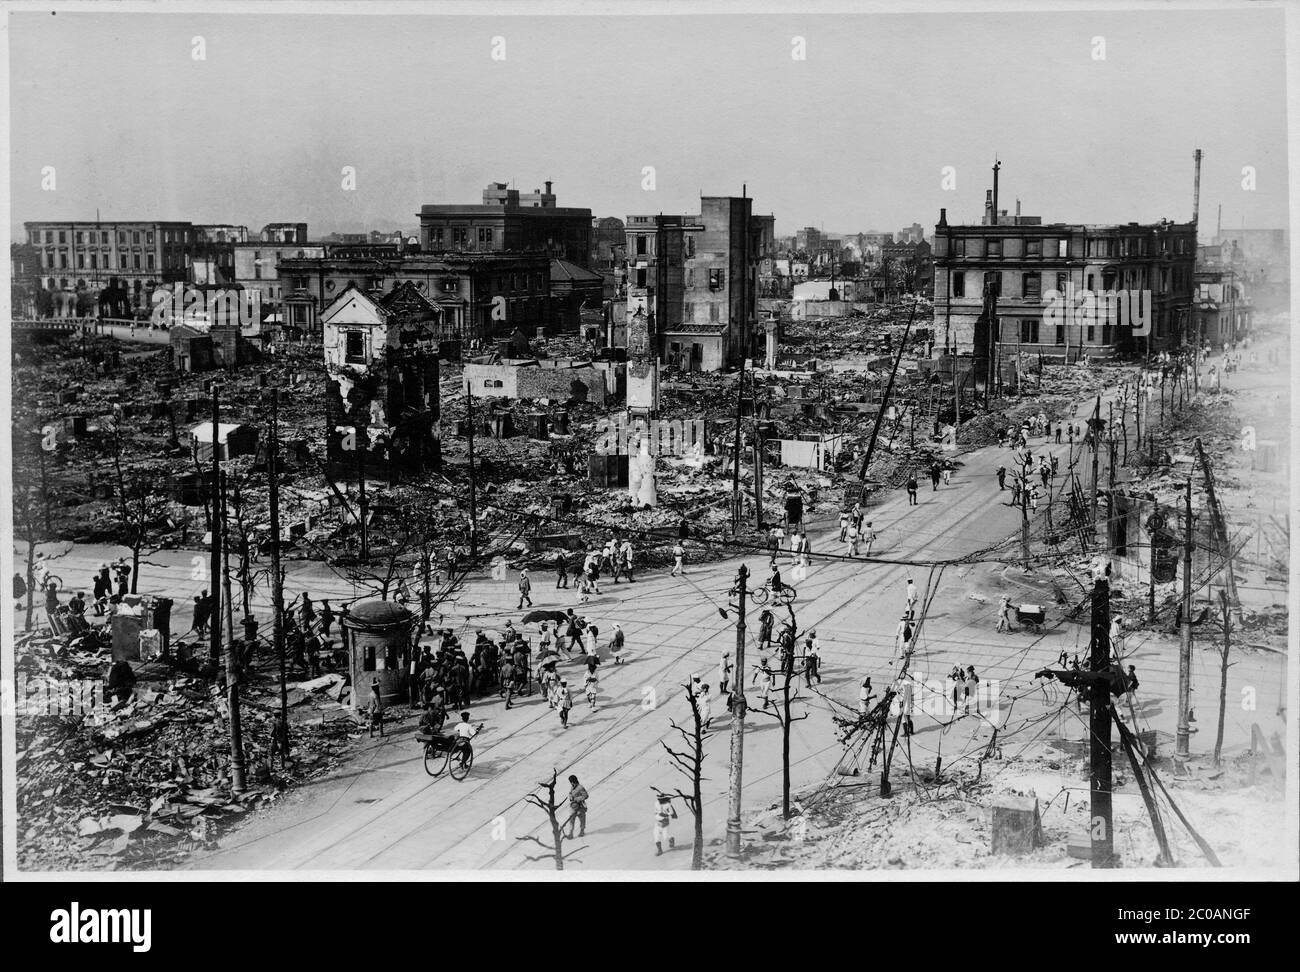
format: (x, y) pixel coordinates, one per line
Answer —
(1017, 285)
(694, 282)
(84, 256)
(508, 221)
(477, 296)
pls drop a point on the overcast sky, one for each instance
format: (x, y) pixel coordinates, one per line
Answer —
(852, 138)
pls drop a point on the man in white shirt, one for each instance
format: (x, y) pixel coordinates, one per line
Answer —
(664, 812)
(911, 596)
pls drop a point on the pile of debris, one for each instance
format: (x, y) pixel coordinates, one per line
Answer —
(144, 782)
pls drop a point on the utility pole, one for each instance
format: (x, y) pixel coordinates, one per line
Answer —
(1024, 517)
(738, 707)
(735, 471)
(214, 644)
(232, 661)
(889, 387)
(1095, 423)
(277, 580)
(473, 494)
(758, 466)
(1223, 675)
(1182, 738)
(1099, 725)
(361, 491)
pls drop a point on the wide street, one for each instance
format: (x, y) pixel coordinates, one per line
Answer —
(379, 809)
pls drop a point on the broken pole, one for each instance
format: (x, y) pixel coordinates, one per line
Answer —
(1099, 777)
(214, 644)
(1095, 425)
(737, 723)
(889, 387)
(1166, 858)
(277, 579)
(1182, 738)
(1223, 675)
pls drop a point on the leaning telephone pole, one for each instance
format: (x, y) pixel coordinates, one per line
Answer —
(1182, 739)
(737, 723)
(1099, 777)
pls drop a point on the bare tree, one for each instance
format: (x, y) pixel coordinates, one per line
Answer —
(555, 848)
(690, 763)
(784, 714)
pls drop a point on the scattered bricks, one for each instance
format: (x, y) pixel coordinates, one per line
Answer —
(75, 425)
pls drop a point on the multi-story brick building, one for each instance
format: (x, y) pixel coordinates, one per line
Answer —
(508, 221)
(477, 296)
(84, 255)
(996, 286)
(694, 282)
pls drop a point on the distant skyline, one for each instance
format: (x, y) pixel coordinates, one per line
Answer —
(853, 138)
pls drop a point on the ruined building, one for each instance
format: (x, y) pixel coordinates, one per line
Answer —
(381, 399)
(1015, 285)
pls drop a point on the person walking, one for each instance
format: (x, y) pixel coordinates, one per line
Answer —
(1058, 433)
(766, 677)
(947, 473)
(911, 488)
(1004, 612)
(590, 686)
(326, 618)
(199, 624)
(578, 798)
(564, 702)
(852, 547)
(616, 644)
(935, 473)
(911, 598)
(561, 572)
(625, 560)
(1131, 684)
(725, 668)
(525, 588)
(903, 634)
(1002, 477)
(376, 709)
(765, 621)
(811, 660)
(868, 537)
(664, 813)
(704, 701)
(972, 688)
(844, 524)
(865, 695)
(679, 552)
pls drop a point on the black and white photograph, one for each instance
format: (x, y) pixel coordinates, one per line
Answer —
(708, 443)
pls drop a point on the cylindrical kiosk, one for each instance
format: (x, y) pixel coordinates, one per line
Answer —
(378, 637)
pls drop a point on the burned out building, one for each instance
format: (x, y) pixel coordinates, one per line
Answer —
(508, 221)
(1014, 285)
(693, 282)
(474, 296)
(381, 400)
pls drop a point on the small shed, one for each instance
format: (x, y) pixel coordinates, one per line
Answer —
(378, 639)
(232, 440)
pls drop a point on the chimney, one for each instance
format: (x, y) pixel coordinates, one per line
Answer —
(1017, 208)
(943, 217)
(996, 166)
(1196, 190)
(548, 187)
(989, 218)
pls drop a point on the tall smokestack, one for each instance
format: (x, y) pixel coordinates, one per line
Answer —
(989, 217)
(548, 187)
(1196, 191)
(996, 166)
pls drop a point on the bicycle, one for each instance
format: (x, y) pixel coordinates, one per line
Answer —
(762, 595)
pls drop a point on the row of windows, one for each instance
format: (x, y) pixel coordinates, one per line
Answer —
(1102, 247)
(102, 236)
(1032, 286)
(125, 261)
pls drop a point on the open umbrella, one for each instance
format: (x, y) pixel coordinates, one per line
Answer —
(541, 615)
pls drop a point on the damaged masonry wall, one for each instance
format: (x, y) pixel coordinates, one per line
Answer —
(584, 383)
(383, 384)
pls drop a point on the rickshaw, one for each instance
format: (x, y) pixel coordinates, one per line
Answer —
(1031, 616)
(446, 754)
